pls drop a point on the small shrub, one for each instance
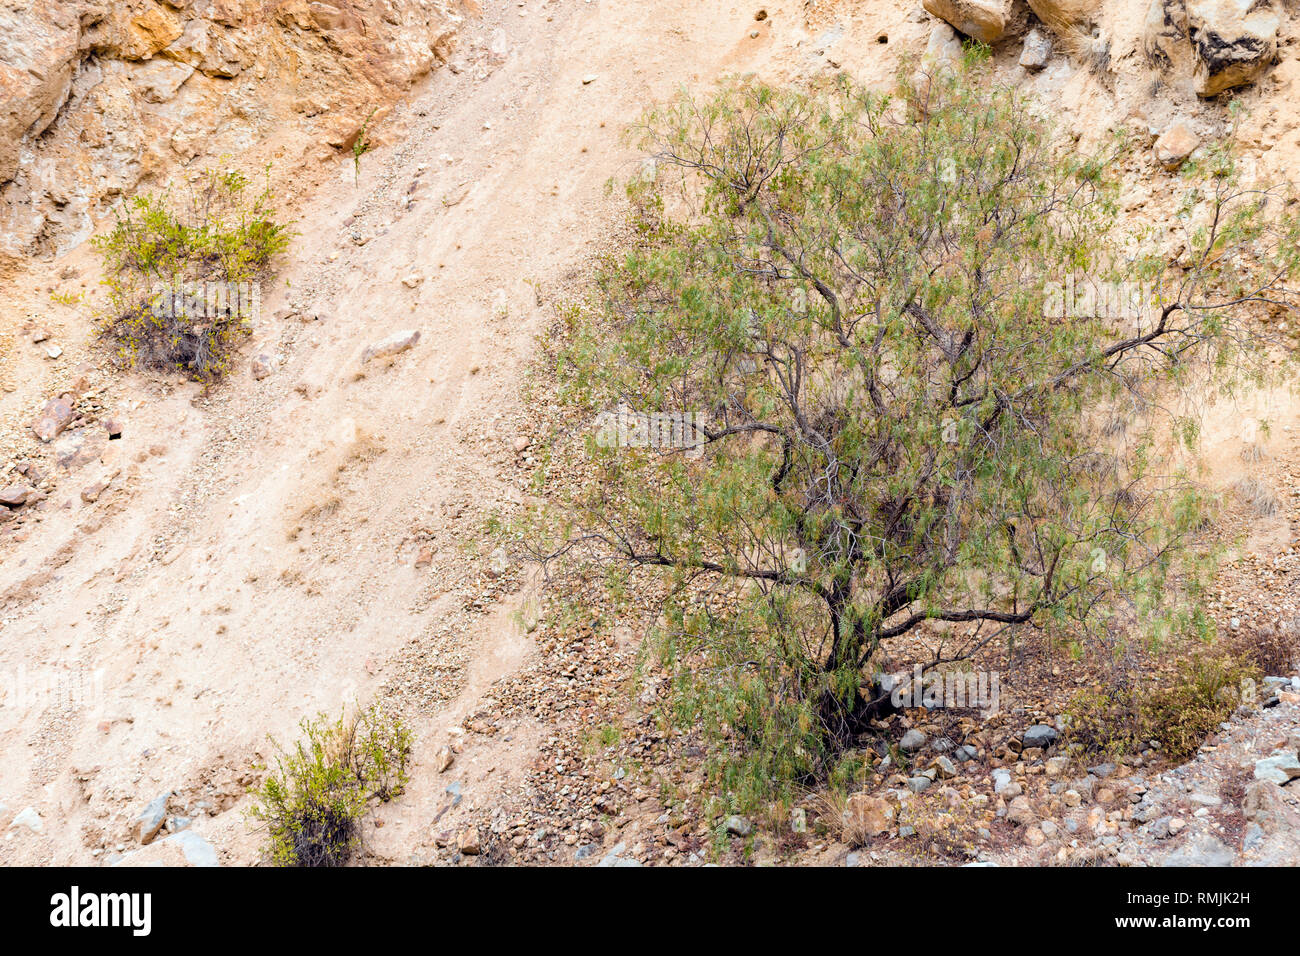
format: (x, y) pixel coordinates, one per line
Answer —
(1178, 710)
(183, 278)
(313, 803)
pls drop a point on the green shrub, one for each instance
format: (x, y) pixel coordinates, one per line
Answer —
(314, 802)
(1177, 710)
(183, 277)
(853, 404)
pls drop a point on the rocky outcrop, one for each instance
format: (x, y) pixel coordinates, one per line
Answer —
(984, 20)
(1221, 43)
(99, 96)
(1234, 41)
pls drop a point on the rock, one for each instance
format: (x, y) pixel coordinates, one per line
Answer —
(1204, 799)
(1036, 51)
(615, 857)
(1102, 770)
(983, 20)
(912, 741)
(394, 344)
(1233, 40)
(1161, 829)
(15, 496)
(1072, 798)
(798, 820)
(1204, 850)
(113, 428)
(1174, 146)
(424, 558)
(146, 826)
(965, 753)
(197, 851)
(468, 842)
(444, 759)
(866, 815)
(1056, 766)
(738, 826)
(1034, 836)
(262, 367)
(944, 767)
(55, 416)
(90, 494)
(943, 46)
(1281, 768)
(918, 784)
(1040, 735)
(29, 818)
(1021, 812)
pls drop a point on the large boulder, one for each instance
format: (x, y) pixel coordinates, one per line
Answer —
(983, 20)
(1234, 41)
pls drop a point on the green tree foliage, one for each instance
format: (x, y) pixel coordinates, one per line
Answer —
(899, 427)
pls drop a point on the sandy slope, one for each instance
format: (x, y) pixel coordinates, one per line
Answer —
(258, 564)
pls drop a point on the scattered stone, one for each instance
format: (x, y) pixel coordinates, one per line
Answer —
(468, 843)
(912, 741)
(918, 784)
(262, 367)
(55, 416)
(1174, 146)
(1036, 51)
(1204, 850)
(15, 496)
(394, 344)
(798, 820)
(1057, 766)
(146, 826)
(1280, 768)
(1040, 735)
(29, 818)
(868, 816)
(739, 826)
(444, 759)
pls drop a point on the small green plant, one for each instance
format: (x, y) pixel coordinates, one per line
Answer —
(313, 802)
(183, 276)
(361, 145)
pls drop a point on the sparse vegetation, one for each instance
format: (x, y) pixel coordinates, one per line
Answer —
(313, 802)
(183, 275)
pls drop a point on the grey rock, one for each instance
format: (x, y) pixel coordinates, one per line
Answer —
(739, 826)
(912, 741)
(965, 753)
(1280, 768)
(394, 344)
(146, 826)
(918, 784)
(1036, 51)
(1040, 735)
(1204, 850)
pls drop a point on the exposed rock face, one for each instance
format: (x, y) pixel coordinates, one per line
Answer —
(984, 20)
(98, 96)
(1221, 43)
(1234, 41)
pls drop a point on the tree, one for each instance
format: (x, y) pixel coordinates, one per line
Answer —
(903, 408)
